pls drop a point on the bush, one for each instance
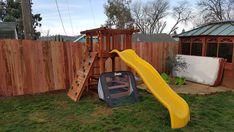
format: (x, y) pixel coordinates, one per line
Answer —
(166, 78)
(180, 81)
(174, 63)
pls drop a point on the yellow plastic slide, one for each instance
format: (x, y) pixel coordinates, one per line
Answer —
(177, 106)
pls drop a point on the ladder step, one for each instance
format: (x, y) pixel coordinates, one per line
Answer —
(74, 98)
(82, 77)
(81, 73)
(80, 80)
(95, 78)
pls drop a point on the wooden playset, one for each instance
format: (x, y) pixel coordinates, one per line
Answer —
(113, 85)
(95, 56)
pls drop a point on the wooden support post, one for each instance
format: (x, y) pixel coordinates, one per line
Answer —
(91, 44)
(128, 41)
(27, 19)
(101, 60)
(217, 53)
(113, 64)
(203, 46)
(191, 43)
(108, 42)
(113, 41)
(180, 46)
(87, 41)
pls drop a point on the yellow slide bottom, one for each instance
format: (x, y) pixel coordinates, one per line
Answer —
(177, 106)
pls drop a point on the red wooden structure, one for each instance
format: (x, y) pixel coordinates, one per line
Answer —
(95, 57)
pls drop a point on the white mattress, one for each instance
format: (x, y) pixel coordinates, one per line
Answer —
(204, 70)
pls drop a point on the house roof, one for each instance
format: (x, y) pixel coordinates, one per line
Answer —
(152, 38)
(105, 30)
(7, 26)
(135, 38)
(82, 39)
(62, 37)
(222, 28)
(7, 30)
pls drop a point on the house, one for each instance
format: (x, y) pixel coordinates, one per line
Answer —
(137, 37)
(213, 40)
(82, 39)
(8, 30)
(62, 38)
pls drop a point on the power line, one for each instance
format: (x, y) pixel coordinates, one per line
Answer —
(69, 14)
(60, 16)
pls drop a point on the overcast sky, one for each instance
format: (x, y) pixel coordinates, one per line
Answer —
(78, 15)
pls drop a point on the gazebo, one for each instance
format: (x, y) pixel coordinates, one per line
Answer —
(212, 40)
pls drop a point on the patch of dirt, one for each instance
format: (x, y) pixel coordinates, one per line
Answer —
(194, 89)
(71, 118)
(92, 118)
(199, 89)
(62, 104)
(143, 87)
(102, 112)
(82, 119)
(86, 120)
(39, 117)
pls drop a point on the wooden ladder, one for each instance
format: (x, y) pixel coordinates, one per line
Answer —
(82, 77)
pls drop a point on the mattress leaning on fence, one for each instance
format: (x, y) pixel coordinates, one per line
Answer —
(200, 69)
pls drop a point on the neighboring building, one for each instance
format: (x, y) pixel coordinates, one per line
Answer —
(137, 37)
(82, 39)
(8, 30)
(59, 38)
(213, 40)
(78, 38)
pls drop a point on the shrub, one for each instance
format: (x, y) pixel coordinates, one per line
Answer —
(179, 81)
(166, 78)
(174, 63)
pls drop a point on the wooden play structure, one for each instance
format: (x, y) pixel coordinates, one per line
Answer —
(95, 56)
(113, 43)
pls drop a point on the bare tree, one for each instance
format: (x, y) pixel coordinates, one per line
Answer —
(139, 17)
(118, 13)
(149, 17)
(182, 13)
(216, 10)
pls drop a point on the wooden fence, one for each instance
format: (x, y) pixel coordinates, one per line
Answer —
(29, 67)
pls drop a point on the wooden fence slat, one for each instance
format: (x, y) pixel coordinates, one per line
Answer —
(28, 72)
(39, 62)
(16, 68)
(3, 88)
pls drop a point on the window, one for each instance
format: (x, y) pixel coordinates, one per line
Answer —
(185, 48)
(211, 50)
(225, 51)
(196, 49)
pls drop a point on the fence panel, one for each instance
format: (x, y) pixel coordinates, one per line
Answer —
(29, 67)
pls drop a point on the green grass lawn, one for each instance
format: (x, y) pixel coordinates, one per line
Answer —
(56, 112)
